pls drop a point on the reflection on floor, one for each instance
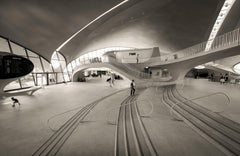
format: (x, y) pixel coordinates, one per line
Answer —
(24, 129)
(200, 87)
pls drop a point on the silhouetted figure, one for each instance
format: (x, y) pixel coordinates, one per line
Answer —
(137, 58)
(109, 81)
(222, 79)
(132, 85)
(226, 78)
(15, 101)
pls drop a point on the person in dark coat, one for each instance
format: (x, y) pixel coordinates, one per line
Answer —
(15, 101)
(132, 86)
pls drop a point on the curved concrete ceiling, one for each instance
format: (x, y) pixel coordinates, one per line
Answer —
(168, 24)
(43, 25)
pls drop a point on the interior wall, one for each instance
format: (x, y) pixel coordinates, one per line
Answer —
(134, 56)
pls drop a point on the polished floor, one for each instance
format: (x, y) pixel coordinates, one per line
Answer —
(214, 96)
(24, 129)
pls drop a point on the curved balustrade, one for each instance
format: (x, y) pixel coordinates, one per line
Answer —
(112, 60)
(127, 68)
(227, 40)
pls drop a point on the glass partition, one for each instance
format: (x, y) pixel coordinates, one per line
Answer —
(37, 64)
(4, 45)
(93, 57)
(27, 81)
(44, 72)
(60, 67)
(18, 50)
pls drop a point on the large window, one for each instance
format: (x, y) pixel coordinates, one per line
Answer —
(4, 47)
(42, 74)
(93, 57)
(27, 81)
(60, 67)
(47, 66)
(18, 50)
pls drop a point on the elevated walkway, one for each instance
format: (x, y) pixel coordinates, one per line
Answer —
(127, 70)
(222, 46)
(179, 63)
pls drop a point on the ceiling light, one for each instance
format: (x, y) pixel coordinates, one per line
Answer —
(199, 67)
(221, 17)
(236, 68)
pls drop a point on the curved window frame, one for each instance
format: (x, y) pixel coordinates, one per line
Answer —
(43, 68)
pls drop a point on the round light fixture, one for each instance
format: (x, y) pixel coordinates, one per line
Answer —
(199, 67)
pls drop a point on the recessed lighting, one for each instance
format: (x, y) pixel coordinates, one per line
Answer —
(222, 15)
(199, 67)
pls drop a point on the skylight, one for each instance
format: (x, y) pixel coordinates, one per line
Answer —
(62, 45)
(218, 23)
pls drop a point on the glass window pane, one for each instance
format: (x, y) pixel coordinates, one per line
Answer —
(13, 85)
(69, 66)
(61, 58)
(47, 66)
(54, 56)
(41, 79)
(27, 81)
(73, 64)
(52, 78)
(63, 64)
(77, 62)
(56, 65)
(4, 45)
(66, 77)
(32, 54)
(18, 50)
(37, 65)
(60, 78)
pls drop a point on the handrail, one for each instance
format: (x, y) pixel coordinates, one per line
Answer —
(228, 100)
(136, 73)
(111, 59)
(229, 39)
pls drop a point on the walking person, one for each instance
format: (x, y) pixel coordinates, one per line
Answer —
(109, 81)
(15, 101)
(226, 78)
(222, 79)
(132, 86)
(137, 58)
(112, 78)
